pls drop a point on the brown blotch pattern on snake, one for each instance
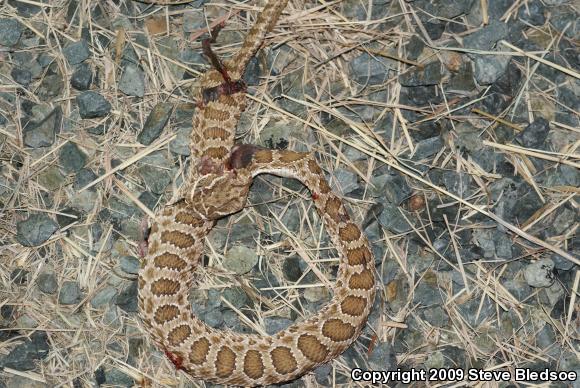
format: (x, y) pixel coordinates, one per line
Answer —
(349, 232)
(166, 313)
(165, 287)
(253, 365)
(353, 305)
(312, 348)
(199, 351)
(359, 255)
(283, 360)
(216, 133)
(188, 219)
(213, 113)
(217, 152)
(179, 335)
(289, 156)
(332, 208)
(337, 330)
(170, 261)
(263, 156)
(225, 362)
(362, 281)
(179, 239)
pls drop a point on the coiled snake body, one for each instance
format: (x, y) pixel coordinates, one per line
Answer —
(217, 185)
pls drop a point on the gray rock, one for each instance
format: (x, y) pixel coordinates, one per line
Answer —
(393, 188)
(51, 86)
(111, 317)
(132, 81)
(193, 20)
(120, 211)
(564, 219)
(180, 145)
(35, 230)
(436, 316)
(427, 147)
(83, 177)
(77, 52)
(117, 378)
(46, 282)
(213, 318)
(291, 268)
(535, 134)
(367, 69)
(127, 299)
(103, 297)
(24, 9)
(51, 178)
(562, 263)
(462, 82)
(82, 77)
(236, 296)
(485, 38)
(533, 13)
(67, 216)
(427, 295)
(240, 259)
(85, 200)
(19, 276)
(457, 183)
(391, 219)
(562, 175)
(414, 47)
(444, 8)
(149, 199)
(155, 123)
(42, 133)
(130, 264)
(540, 274)
(274, 325)
(70, 293)
(347, 180)
(322, 374)
(503, 245)
(155, 171)
(21, 76)
(383, 357)
(266, 279)
(277, 134)
(476, 311)
(434, 28)
(45, 59)
(10, 32)
(428, 75)
(23, 355)
(488, 68)
(92, 105)
(71, 158)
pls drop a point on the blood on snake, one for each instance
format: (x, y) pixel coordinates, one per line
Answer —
(217, 185)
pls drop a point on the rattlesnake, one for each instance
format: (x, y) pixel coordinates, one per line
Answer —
(217, 185)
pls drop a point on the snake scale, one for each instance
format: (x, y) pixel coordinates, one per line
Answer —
(217, 185)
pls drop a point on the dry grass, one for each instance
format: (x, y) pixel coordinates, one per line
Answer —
(322, 40)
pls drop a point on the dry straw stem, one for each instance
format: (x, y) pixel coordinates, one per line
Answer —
(325, 62)
(373, 149)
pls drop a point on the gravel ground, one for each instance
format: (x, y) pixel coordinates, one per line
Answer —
(451, 130)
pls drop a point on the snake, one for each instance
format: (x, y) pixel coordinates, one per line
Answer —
(217, 185)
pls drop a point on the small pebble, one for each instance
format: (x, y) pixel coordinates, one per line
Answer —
(70, 293)
(540, 274)
(35, 230)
